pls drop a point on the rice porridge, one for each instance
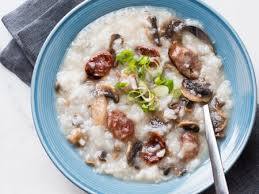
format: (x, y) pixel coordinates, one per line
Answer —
(130, 94)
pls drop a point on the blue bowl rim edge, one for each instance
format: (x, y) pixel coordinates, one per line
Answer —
(52, 156)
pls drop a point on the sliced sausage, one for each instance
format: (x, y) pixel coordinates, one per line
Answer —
(147, 51)
(120, 125)
(185, 60)
(99, 65)
(154, 149)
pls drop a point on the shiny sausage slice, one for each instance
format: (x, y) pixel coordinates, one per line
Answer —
(154, 149)
(190, 145)
(147, 51)
(120, 125)
(99, 65)
(185, 60)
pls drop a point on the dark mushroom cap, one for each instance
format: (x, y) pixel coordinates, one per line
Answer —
(218, 118)
(112, 43)
(109, 92)
(182, 103)
(173, 29)
(155, 37)
(132, 150)
(196, 90)
(189, 126)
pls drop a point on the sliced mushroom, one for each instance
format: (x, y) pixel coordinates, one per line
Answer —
(170, 27)
(116, 152)
(132, 150)
(112, 44)
(218, 118)
(90, 162)
(77, 120)
(77, 137)
(216, 104)
(99, 110)
(154, 34)
(102, 156)
(173, 29)
(200, 34)
(196, 90)
(120, 126)
(154, 149)
(182, 106)
(176, 170)
(219, 122)
(58, 87)
(99, 65)
(157, 122)
(109, 92)
(185, 60)
(189, 126)
(190, 145)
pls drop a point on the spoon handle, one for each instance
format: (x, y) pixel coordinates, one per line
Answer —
(216, 164)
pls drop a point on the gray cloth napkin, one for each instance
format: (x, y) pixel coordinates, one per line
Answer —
(31, 23)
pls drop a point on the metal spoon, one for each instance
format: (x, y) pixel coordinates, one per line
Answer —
(216, 164)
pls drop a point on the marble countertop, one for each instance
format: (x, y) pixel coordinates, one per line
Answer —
(25, 167)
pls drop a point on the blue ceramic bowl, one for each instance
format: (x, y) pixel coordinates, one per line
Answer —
(237, 66)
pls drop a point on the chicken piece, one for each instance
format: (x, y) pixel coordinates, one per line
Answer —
(190, 146)
(99, 110)
(77, 137)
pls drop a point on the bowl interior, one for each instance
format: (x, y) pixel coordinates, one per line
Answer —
(237, 67)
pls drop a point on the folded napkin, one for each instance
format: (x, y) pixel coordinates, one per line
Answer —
(31, 23)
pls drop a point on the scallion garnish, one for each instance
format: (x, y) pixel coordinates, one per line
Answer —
(161, 80)
(121, 85)
(176, 93)
(125, 56)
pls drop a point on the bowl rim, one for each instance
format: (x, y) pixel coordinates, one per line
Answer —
(52, 156)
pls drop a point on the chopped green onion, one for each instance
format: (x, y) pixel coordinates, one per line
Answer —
(170, 84)
(121, 85)
(142, 66)
(131, 67)
(176, 93)
(161, 91)
(143, 97)
(161, 80)
(144, 60)
(125, 56)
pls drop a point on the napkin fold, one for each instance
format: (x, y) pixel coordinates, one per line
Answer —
(31, 23)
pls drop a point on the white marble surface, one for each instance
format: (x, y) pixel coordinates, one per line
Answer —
(24, 166)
